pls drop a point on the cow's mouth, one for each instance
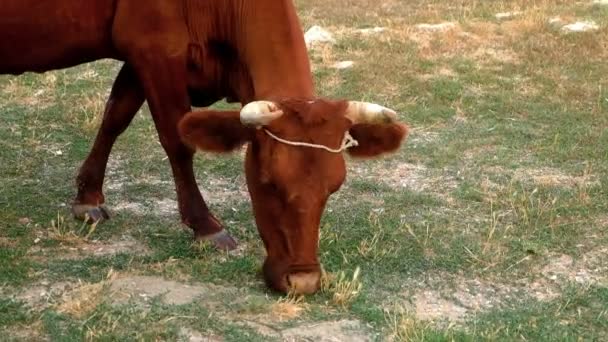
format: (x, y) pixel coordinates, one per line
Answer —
(296, 279)
(303, 283)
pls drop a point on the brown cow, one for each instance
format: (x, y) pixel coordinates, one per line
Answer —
(293, 164)
(182, 53)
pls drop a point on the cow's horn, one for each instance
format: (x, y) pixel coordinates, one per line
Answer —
(259, 113)
(364, 112)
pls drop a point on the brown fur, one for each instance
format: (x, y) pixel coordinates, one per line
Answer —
(289, 185)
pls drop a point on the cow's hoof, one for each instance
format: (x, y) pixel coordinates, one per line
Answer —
(221, 240)
(90, 213)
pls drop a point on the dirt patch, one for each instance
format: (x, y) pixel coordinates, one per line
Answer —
(128, 245)
(91, 248)
(430, 306)
(190, 335)
(44, 294)
(590, 268)
(453, 298)
(554, 177)
(449, 298)
(486, 43)
(115, 177)
(414, 177)
(486, 54)
(427, 36)
(145, 288)
(214, 190)
(337, 331)
(165, 207)
(7, 242)
(221, 190)
(29, 332)
(132, 207)
(602, 221)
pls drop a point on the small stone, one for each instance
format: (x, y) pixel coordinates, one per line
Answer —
(507, 15)
(343, 65)
(317, 34)
(24, 220)
(600, 2)
(373, 30)
(581, 26)
(556, 21)
(436, 27)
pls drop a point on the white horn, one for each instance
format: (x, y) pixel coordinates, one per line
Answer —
(259, 113)
(364, 112)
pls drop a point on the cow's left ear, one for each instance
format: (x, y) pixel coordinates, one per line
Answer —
(376, 139)
(214, 131)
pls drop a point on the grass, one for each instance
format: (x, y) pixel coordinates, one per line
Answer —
(494, 209)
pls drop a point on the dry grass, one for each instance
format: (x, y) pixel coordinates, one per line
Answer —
(172, 269)
(89, 112)
(372, 247)
(343, 290)
(86, 297)
(403, 327)
(288, 307)
(67, 233)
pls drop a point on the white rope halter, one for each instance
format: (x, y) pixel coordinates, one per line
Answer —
(347, 142)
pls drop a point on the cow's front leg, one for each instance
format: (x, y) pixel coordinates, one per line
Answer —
(165, 86)
(126, 98)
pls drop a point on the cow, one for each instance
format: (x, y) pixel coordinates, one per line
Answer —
(185, 53)
(293, 163)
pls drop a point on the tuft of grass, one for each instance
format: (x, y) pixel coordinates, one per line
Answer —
(67, 232)
(85, 298)
(403, 327)
(289, 307)
(343, 290)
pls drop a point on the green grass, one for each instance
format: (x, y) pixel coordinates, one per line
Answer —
(504, 173)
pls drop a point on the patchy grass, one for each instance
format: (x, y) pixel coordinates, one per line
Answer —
(490, 224)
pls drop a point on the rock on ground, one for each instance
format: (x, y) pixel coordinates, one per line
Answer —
(580, 26)
(317, 34)
(343, 65)
(441, 27)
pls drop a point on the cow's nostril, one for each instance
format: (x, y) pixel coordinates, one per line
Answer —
(304, 283)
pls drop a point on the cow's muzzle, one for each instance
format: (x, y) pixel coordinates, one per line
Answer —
(300, 279)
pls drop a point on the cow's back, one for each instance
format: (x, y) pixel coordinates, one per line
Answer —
(40, 35)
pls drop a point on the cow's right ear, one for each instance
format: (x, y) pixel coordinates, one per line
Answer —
(214, 131)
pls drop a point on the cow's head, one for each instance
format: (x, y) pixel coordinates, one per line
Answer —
(290, 183)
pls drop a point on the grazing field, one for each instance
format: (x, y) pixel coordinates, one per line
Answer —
(491, 223)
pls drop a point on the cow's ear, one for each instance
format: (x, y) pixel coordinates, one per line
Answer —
(376, 139)
(214, 131)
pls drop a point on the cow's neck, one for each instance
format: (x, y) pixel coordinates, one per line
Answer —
(270, 61)
(274, 51)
